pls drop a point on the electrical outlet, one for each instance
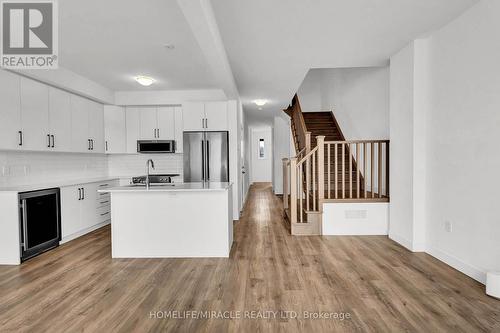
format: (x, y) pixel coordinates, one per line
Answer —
(5, 170)
(448, 226)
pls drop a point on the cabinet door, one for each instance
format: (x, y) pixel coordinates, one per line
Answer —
(178, 130)
(60, 119)
(193, 115)
(148, 123)
(166, 123)
(79, 124)
(70, 210)
(115, 130)
(216, 115)
(132, 120)
(35, 114)
(96, 126)
(89, 206)
(10, 111)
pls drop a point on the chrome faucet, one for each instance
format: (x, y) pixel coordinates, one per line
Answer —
(147, 171)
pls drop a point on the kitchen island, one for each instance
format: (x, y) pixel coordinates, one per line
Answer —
(171, 220)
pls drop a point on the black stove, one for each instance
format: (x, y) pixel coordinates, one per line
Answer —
(154, 179)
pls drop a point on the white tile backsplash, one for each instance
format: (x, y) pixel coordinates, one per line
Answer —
(22, 168)
(135, 164)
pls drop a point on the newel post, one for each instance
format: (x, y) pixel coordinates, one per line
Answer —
(308, 142)
(286, 184)
(321, 170)
(293, 190)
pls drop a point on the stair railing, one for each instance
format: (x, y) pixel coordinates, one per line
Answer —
(355, 170)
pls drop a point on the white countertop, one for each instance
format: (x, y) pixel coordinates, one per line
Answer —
(63, 183)
(173, 187)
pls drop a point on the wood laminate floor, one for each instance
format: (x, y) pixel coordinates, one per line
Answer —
(381, 286)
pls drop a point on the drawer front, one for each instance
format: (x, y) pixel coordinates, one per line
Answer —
(103, 214)
(103, 202)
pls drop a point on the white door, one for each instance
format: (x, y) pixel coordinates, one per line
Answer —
(10, 111)
(216, 116)
(96, 126)
(60, 120)
(35, 115)
(115, 130)
(178, 130)
(79, 124)
(132, 120)
(70, 210)
(193, 116)
(166, 123)
(148, 123)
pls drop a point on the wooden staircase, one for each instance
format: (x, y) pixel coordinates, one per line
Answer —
(329, 168)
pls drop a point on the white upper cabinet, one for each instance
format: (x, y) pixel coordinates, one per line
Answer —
(133, 119)
(209, 116)
(60, 120)
(166, 123)
(148, 123)
(193, 116)
(79, 125)
(178, 130)
(35, 115)
(96, 127)
(10, 111)
(216, 116)
(115, 130)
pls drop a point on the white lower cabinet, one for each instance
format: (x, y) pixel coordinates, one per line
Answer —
(83, 209)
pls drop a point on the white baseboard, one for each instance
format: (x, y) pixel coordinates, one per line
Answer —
(469, 270)
(83, 232)
(401, 241)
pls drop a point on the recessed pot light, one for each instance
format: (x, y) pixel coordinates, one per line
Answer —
(144, 80)
(260, 102)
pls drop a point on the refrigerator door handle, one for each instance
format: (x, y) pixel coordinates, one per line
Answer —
(25, 225)
(203, 160)
(208, 160)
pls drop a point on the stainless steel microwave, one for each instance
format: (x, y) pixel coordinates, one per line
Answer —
(155, 146)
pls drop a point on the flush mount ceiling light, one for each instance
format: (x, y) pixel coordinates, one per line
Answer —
(144, 80)
(260, 102)
(169, 46)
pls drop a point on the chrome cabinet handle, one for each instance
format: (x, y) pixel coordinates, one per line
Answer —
(79, 193)
(88, 144)
(20, 138)
(48, 139)
(53, 140)
(83, 193)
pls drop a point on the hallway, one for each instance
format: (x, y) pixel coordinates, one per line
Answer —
(379, 285)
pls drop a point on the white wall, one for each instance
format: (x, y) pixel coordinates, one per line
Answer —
(261, 169)
(444, 136)
(21, 168)
(463, 135)
(359, 98)
(281, 144)
(367, 218)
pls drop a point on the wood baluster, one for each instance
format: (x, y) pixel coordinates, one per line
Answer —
(293, 188)
(301, 179)
(343, 170)
(379, 169)
(357, 170)
(349, 151)
(336, 167)
(314, 184)
(328, 170)
(364, 169)
(308, 181)
(321, 171)
(371, 167)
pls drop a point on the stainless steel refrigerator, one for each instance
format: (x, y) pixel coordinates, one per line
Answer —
(206, 157)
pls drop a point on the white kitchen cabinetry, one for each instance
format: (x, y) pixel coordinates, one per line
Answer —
(35, 115)
(208, 116)
(96, 127)
(157, 123)
(178, 130)
(87, 121)
(83, 209)
(133, 127)
(115, 130)
(59, 120)
(10, 111)
(79, 125)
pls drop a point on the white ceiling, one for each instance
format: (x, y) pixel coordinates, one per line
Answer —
(111, 41)
(272, 44)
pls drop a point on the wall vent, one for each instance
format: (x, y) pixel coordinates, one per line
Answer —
(355, 214)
